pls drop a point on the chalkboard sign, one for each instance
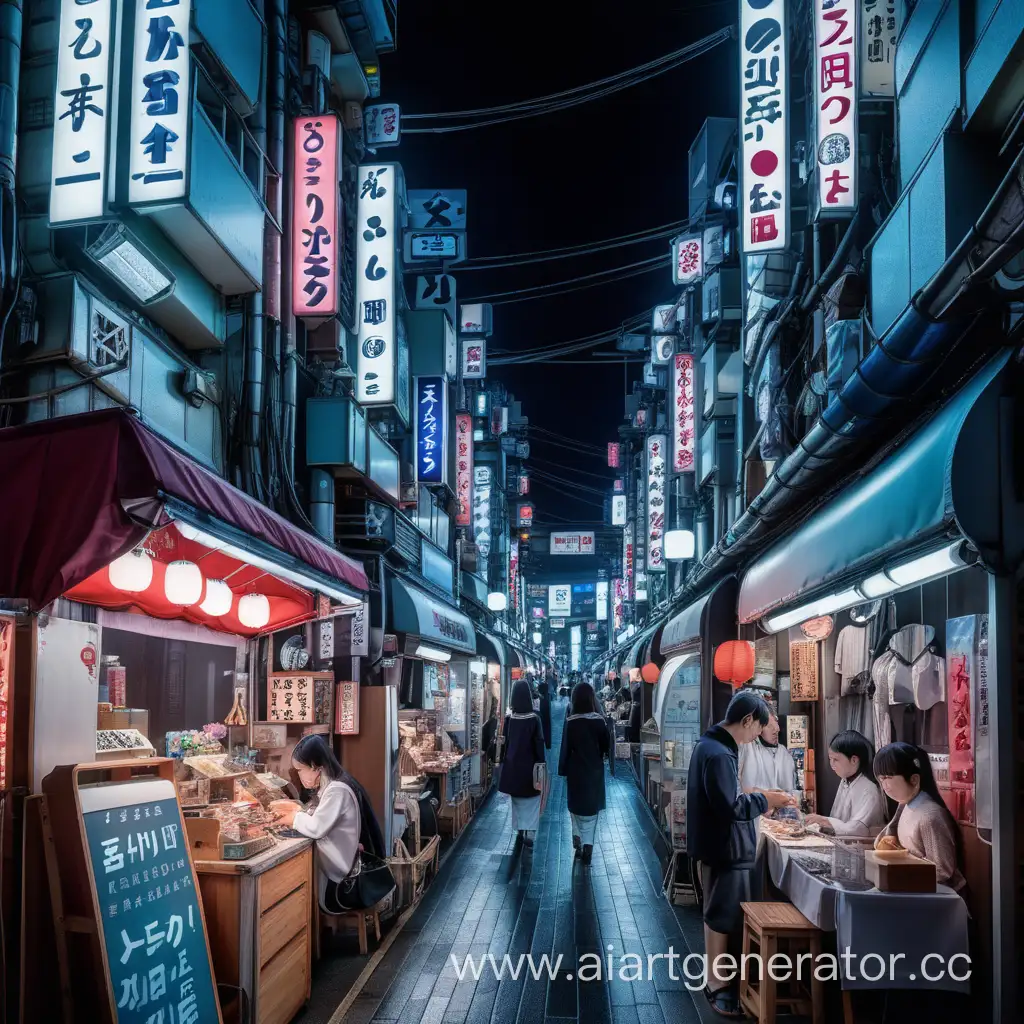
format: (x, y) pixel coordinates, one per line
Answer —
(146, 891)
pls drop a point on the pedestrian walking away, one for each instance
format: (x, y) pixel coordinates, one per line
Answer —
(544, 688)
(586, 742)
(523, 748)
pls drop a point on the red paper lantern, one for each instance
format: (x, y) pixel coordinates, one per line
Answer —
(734, 662)
(650, 672)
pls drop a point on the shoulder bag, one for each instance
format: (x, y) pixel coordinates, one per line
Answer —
(369, 881)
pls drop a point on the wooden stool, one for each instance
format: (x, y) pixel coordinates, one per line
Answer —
(360, 918)
(766, 926)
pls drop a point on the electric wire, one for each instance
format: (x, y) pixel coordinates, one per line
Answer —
(569, 469)
(596, 448)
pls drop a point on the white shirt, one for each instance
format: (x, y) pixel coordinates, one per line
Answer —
(858, 809)
(334, 826)
(764, 767)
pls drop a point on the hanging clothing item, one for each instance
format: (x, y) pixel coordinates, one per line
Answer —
(921, 682)
(857, 712)
(880, 701)
(853, 659)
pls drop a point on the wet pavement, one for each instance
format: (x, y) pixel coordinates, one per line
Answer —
(485, 900)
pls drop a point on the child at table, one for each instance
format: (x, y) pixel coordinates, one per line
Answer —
(922, 824)
(859, 807)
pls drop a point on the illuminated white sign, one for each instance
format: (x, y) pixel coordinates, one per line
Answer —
(657, 495)
(82, 108)
(482, 514)
(618, 510)
(880, 27)
(161, 101)
(602, 601)
(375, 284)
(560, 600)
(687, 259)
(764, 128)
(683, 415)
(571, 544)
(835, 102)
(382, 125)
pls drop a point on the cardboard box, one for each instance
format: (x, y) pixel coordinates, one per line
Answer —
(900, 873)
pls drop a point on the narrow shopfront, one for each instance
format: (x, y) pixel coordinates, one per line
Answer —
(887, 612)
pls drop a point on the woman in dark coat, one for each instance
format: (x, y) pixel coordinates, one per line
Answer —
(545, 710)
(585, 744)
(523, 748)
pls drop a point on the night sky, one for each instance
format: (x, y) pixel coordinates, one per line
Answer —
(606, 168)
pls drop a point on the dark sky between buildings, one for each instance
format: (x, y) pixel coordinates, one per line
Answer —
(610, 167)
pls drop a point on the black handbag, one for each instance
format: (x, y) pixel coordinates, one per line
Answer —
(362, 888)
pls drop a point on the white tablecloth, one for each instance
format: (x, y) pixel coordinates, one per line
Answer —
(902, 929)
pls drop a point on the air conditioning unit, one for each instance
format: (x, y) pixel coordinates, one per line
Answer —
(318, 52)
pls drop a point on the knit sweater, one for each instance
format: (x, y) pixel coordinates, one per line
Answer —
(923, 829)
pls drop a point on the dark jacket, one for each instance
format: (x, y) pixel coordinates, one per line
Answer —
(524, 747)
(488, 736)
(720, 817)
(370, 836)
(585, 745)
(545, 712)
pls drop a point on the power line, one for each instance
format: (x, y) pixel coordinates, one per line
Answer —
(569, 469)
(558, 444)
(596, 448)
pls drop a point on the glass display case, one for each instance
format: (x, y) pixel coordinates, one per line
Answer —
(680, 729)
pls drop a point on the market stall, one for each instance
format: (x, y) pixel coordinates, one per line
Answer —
(179, 626)
(884, 614)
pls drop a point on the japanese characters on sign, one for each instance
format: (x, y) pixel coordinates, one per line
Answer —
(464, 468)
(482, 511)
(524, 515)
(613, 454)
(82, 102)
(880, 27)
(290, 697)
(347, 704)
(146, 892)
(382, 125)
(835, 100)
(656, 502)
(618, 485)
(316, 240)
(434, 245)
(627, 561)
(431, 430)
(572, 543)
(619, 607)
(475, 318)
(684, 425)
(437, 208)
(513, 571)
(602, 600)
(764, 122)
(618, 510)
(474, 358)
(687, 259)
(161, 101)
(360, 637)
(436, 291)
(375, 285)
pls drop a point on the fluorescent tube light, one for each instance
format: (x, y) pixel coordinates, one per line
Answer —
(432, 654)
(878, 586)
(937, 563)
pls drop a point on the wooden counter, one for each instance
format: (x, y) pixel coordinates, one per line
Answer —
(259, 917)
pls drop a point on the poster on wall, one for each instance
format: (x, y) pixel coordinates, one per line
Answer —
(291, 696)
(803, 671)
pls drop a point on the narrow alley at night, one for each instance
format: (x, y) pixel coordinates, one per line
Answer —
(511, 512)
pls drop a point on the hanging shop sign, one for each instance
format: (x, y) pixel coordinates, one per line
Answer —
(316, 249)
(584, 600)
(431, 430)
(464, 468)
(560, 599)
(836, 96)
(82, 103)
(161, 101)
(684, 424)
(538, 612)
(513, 571)
(572, 543)
(482, 512)
(524, 515)
(687, 259)
(627, 560)
(347, 709)
(764, 128)
(656, 502)
(291, 696)
(557, 623)
(382, 125)
(602, 601)
(523, 484)
(619, 607)
(819, 628)
(474, 358)
(881, 21)
(420, 246)
(435, 209)
(803, 670)
(619, 486)
(618, 510)
(665, 318)
(476, 318)
(436, 291)
(376, 358)
(614, 455)
(499, 420)
(360, 632)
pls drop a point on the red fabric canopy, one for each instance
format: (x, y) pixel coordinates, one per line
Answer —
(67, 486)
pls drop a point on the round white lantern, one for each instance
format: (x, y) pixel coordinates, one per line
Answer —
(537, 638)
(218, 598)
(253, 611)
(183, 583)
(131, 573)
(497, 601)
(679, 545)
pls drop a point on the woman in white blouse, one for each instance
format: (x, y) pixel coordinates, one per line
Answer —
(859, 807)
(331, 819)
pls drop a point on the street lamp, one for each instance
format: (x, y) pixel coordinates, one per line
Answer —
(497, 601)
(537, 638)
(679, 545)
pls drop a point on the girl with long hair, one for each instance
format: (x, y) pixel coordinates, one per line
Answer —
(859, 807)
(922, 824)
(523, 748)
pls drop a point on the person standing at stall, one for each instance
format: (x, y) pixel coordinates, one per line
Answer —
(523, 748)
(543, 688)
(766, 764)
(586, 742)
(721, 838)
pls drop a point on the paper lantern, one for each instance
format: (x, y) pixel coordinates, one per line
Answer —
(183, 583)
(650, 672)
(218, 599)
(253, 611)
(131, 573)
(734, 662)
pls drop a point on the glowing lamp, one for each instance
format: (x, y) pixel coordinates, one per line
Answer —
(734, 662)
(183, 583)
(537, 638)
(218, 598)
(679, 545)
(253, 611)
(497, 601)
(650, 672)
(131, 573)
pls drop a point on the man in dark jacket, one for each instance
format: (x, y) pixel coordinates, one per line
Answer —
(721, 838)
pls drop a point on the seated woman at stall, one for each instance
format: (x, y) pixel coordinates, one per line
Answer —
(922, 824)
(859, 807)
(339, 818)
